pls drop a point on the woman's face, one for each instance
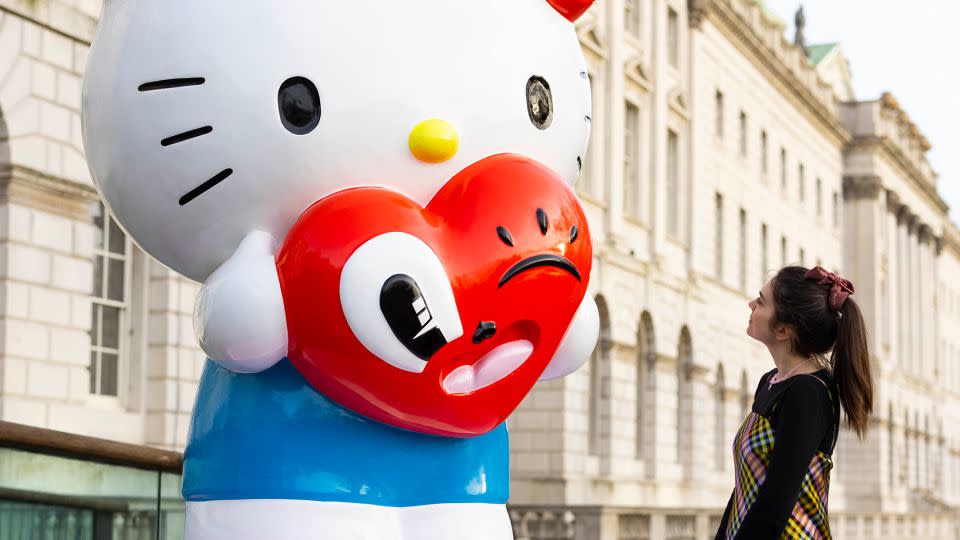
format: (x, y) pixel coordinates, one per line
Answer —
(761, 313)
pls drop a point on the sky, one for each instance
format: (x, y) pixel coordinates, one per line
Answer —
(905, 48)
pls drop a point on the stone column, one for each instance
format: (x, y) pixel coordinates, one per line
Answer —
(902, 292)
(893, 277)
(916, 295)
(614, 119)
(658, 112)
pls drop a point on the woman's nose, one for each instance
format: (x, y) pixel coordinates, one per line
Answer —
(434, 141)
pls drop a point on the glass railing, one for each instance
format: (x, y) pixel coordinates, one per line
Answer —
(57, 486)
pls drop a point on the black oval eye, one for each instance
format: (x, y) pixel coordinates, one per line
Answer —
(539, 102)
(299, 104)
(409, 316)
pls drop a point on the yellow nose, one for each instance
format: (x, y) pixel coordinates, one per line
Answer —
(434, 141)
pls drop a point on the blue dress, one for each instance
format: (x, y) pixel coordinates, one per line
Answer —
(270, 435)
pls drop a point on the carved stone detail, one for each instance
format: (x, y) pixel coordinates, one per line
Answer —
(861, 187)
(697, 11)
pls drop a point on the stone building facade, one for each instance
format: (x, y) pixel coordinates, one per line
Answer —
(721, 152)
(97, 338)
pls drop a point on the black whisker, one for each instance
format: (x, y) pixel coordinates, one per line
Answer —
(202, 188)
(542, 221)
(505, 236)
(588, 118)
(579, 164)
(185, 136)
(171, 83)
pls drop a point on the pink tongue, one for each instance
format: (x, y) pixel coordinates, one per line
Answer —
(494, 366)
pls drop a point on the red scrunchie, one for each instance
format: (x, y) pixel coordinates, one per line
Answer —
(840, 288)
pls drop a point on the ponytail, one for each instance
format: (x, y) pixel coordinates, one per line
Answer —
(817, 304)
(851, 368)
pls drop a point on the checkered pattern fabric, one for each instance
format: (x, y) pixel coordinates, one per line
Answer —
(752, 449)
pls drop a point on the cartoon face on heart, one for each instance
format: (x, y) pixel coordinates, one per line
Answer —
(439, 319)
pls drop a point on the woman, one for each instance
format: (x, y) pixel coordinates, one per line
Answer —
(782, 453)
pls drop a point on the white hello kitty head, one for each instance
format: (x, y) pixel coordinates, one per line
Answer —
(204, 120)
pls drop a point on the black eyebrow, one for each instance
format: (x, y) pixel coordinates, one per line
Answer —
(171, 83)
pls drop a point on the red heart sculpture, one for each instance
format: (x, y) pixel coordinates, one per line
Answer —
(377, 290)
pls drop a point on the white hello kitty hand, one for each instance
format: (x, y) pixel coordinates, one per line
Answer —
(239, 316)
(578, 343)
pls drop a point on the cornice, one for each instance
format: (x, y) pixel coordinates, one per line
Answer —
(744, 35)
(28, 187)
(891, 150)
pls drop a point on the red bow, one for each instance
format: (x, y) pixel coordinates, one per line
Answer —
(840, 288)
(571, 9)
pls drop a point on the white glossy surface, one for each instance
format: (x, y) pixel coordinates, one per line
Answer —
(239, 316)
(578, 343)
(380, 66)
(370, 266)
(309, 520)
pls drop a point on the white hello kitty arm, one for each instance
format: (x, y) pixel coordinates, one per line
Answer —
(578, 343)
(239, 316)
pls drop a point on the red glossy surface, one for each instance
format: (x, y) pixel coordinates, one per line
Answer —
(571, 9)
(460, 225)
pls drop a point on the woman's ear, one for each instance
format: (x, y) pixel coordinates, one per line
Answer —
(784, 332)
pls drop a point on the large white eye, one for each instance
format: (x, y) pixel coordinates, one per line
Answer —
(397, 299)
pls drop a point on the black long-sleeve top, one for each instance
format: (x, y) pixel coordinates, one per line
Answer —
(803, 416)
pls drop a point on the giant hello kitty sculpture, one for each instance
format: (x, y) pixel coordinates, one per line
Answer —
(375, 195)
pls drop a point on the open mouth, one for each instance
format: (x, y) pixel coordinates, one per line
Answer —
(492, 367)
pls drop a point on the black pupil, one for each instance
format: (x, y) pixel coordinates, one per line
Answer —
(299, 105)
(539, 102)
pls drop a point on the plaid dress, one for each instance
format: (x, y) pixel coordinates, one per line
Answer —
(752, 450)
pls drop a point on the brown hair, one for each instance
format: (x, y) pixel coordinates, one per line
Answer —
(804, 305)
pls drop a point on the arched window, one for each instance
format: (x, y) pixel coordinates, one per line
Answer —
(719, 420)
(891, 436)
(646, 385)
(907, 463)
(685, 398)
(745, 401)
(599, 361)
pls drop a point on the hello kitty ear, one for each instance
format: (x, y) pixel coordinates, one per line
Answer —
(571, 9)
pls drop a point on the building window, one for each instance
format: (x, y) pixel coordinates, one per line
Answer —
(745, 394)
(801, 188)
(598, 402)
(111, 274)
(718, 114)
(783, 251)
(743, 249)
(764, 260)
(631, 147)
(685, 433)
(783, 169)
(673, 37)
(803, 256)
(836, 209)
(718, 231)
(819, 197)
(764, 160)
(631, 17)
(673, 183)
(719, 421)
(743, 133)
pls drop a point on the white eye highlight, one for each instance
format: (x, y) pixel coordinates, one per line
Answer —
(398, 301)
